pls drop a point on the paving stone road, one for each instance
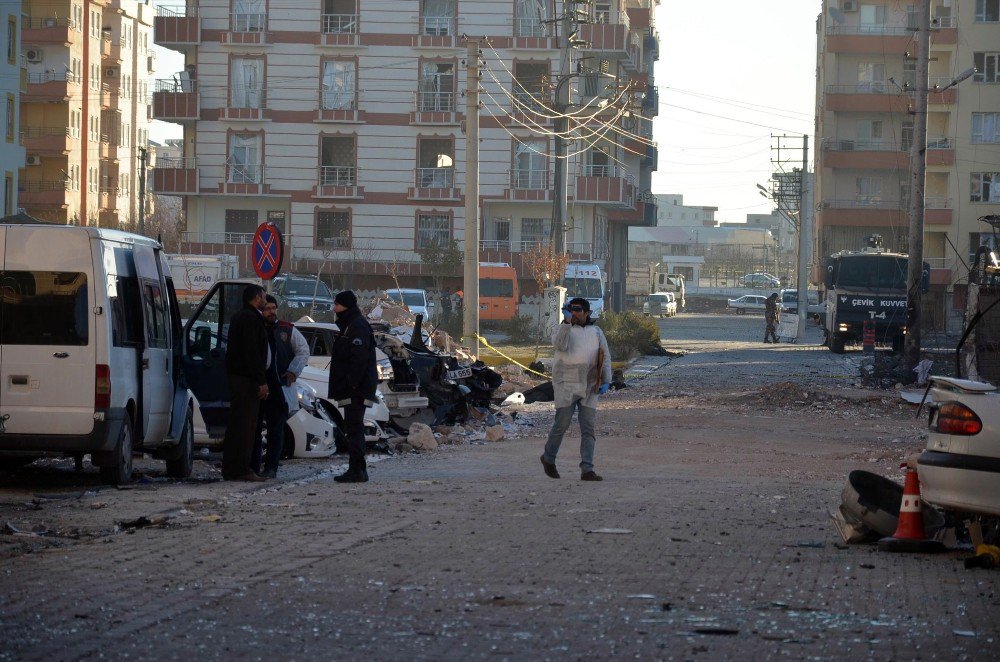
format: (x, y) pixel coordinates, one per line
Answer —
(709, 538)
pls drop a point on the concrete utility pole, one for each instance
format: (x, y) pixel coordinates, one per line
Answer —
(142, 190)
(805, 239)
(470, 318)
(561, 214)
(918, 167)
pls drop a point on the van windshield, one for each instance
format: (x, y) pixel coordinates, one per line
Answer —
(409, 298)
(588, 288)
(658, 298)
(496, 287)
(43, 308)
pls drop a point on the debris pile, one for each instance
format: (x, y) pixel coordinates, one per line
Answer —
(790, 395)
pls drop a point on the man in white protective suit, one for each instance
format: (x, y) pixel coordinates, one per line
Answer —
(581, 371)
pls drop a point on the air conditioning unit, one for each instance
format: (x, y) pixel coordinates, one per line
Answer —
(111, 72)
(846, 145)
(849, 5)
(34, 55)
(33, 160)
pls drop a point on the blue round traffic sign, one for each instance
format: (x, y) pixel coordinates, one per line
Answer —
(268, 251)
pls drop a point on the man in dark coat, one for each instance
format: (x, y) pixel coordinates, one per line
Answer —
(772, 315)
(353, 380)
(246, 365)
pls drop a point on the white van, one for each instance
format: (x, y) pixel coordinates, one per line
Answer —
(415, 300)
(586, 280)
(89, 342)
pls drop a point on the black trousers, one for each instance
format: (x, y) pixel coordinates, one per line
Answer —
(237, 445)
(273, 414)
(354, 430)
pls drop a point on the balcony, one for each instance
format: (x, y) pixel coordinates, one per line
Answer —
(865, 211)
(175, 100)
(338, 106)
(245, 29)
(877, 96)
(651, 44)
(175, 176)
(106, 46)
(244, 179)
(108, 198)
(435, 108)
(532, 34)
(612, 40)
(109, 147)
(937, 210)
(528, 185)
(606, 185)
(641, 17)
(651, 101)
(43, 193)
(48, 31)
(51, 86)
(940, 151)
(338, 30)
(109, 218)
(529, 108)
(48, 140)
(177, 28)
(865, 154)
(437, 32)
(511, 252)
(245, 109)
(338, 182)
(434, 184)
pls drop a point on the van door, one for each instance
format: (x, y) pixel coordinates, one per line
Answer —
(204, 352)
(47, 332)
(157, 361)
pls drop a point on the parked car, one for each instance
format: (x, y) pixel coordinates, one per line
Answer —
(660, 304)
(414, 299)
(752, 302)
(759, 280)
(790, 302)
(960, 468)
(301, 292)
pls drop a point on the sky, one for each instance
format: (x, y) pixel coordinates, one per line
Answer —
(731, 73)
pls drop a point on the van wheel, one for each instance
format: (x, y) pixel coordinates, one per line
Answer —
(183, 462)
(119, 472)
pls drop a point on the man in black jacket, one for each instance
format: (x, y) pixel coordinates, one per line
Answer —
(353, 380)
(247, 358)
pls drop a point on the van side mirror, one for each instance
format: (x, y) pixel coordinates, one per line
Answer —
(829, 276)
(925, 278)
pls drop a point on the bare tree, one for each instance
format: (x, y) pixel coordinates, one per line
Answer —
(546, 267)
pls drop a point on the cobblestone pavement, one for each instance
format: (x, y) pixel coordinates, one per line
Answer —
(710, 537)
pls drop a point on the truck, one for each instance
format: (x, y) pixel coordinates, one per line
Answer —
(664, 282)
(194, 275)
(867, 287)
(586, 280)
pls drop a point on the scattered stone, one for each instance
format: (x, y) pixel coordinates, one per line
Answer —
(494, 433)
(421, 437)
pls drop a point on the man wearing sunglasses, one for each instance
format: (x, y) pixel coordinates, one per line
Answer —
(581, 371)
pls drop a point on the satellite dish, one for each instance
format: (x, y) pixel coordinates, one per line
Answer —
(836, 15)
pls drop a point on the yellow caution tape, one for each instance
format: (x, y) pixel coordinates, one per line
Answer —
(486, 343)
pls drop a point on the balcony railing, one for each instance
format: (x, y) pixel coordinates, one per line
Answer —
(529, 179)
(176, 162)
(434, 178)
(937, 202)
(530, 27)
(245, 173)
(873, 87)
(52, 76)
(591, 170)
(175, 84)
(940, 143)
(507, 246)
(340, 23)
(42, 185)
(338, 176)
(45, 131)
(863, 145)
(529, 102)
(338, 100)
(865, 203)
(242, 22)
(28, 23)
(238, 238)
(883, 30)
(177, 10)
(436, 102)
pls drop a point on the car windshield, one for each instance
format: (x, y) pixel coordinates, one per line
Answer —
(588, 288)
(409, 298)
(305, 288)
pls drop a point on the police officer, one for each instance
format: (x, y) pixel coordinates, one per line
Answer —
(353, 380)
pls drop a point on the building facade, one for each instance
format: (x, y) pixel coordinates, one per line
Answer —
(85, 112)
(12, 83)
(672, 212)
(866, 75)
(343, 124)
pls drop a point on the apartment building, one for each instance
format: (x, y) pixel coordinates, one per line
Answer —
(12, 81)
(866, 74)
(671, 211)
(85, 112)
(343, 124)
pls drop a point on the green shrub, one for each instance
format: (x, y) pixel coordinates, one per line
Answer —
(629, 334)
(520, 329)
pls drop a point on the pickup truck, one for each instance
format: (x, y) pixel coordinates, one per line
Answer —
(660, 304)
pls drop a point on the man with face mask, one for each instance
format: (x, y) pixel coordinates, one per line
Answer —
(353, 380)
(580, 372)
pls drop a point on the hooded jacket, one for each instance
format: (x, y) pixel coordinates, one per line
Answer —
(353, 375)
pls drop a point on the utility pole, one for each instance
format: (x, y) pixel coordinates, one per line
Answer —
(560, 217)
(805, 239)
(470, 317)
(142, 190)
(918, 167)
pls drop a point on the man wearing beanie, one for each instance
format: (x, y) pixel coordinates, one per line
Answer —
(353, 380)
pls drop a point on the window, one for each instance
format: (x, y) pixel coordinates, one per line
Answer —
(985, 128)
(601, 247)
(8, 125)
(437, 17)
(869, 134)
(987, 11)
(246, 83)
(602, 12)
(8, 195)
(530, 80)
(868, 190)
(437, 87)
(248, 16)
(11, 41)
(340, 17)
(987, 67)
(871, 77)
(240, 225)
(339, 83)
(126, 315)
(872, 19)
(333, 230)
(530, 166)
(530, 17)
(244, 159)
(156, 316)
(435, 163)
(43, 308)
(338, 161)
(985, 187)
(535, 231)
(433, 230)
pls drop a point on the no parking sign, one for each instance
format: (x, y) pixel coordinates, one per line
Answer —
(268, 251)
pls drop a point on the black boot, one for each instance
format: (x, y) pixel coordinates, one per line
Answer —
(356, 473)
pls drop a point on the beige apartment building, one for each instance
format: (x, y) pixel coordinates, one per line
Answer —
(343, 123)
(864, 129)
(86, 109)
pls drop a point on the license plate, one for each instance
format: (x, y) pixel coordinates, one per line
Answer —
(461, 373)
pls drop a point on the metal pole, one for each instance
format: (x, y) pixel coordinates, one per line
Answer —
(804, 241)
(561, 215)
(918, 167)
(470, 316)
(142, 190)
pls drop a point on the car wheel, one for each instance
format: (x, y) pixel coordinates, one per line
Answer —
(119, 472)
(183, 462)
(741, 311)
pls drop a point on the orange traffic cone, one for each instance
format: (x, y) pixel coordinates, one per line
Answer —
(909, 535)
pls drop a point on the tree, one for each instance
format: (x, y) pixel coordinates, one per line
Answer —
(546, 267)
(444, 259)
